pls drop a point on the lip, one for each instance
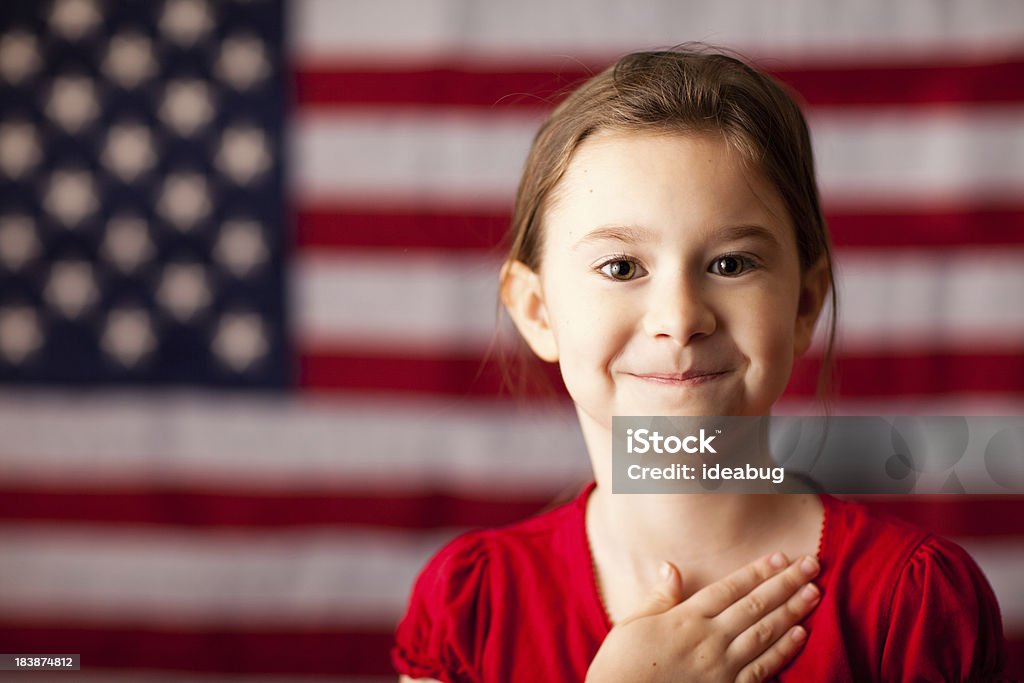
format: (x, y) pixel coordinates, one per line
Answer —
(691, 377)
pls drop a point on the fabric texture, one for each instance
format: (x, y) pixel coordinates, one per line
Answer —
(520, 603)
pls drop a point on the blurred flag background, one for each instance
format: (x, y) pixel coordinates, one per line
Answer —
(248, 258)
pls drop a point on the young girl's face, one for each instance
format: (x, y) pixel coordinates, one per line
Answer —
(670, 281)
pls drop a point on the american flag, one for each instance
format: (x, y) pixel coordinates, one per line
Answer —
(248, 257)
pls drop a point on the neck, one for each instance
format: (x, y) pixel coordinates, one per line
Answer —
(691, 530)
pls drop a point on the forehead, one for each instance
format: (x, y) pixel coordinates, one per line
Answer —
(671, 182)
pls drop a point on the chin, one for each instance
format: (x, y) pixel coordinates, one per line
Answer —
(689, 409)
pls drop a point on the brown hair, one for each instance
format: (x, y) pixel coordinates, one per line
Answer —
(687, 89)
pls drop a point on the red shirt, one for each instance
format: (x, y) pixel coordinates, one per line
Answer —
(520, 603)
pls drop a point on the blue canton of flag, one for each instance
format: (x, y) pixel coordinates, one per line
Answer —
(141, 213)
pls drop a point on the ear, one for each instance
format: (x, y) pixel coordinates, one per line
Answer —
(523, 297)
(814, 287)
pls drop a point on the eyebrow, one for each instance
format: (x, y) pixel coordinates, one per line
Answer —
(632, 234)
(734, 233)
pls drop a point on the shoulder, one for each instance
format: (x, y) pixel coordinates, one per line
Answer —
(894, 557)
(889, 546)
(481, 554)
(435, 639)
(858, 534)
(925, 593)
(943, 604)
(451, 608)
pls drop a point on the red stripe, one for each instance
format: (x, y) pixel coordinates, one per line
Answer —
(343, 227)
(445, 85)
(958, 516)
(284, 652)
(313, 651)
(462, 85)
(954, 516)
(203, 509)
(471, 376)
(908, 375)
(936, 83)
(967, 226)
(452, 375)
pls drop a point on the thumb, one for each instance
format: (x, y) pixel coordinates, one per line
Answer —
(664, 595)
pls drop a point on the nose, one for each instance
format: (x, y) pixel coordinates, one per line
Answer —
(679, 309)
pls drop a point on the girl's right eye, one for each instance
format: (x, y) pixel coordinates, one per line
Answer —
(622, 269)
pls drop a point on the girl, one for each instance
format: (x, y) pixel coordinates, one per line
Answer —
(669, 253)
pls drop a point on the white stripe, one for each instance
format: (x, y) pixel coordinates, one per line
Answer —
(232, 443)
(963, 404)
(265, 579)
(928, 156)
(197, 442)
(426, 158)
(383, 299)
(890, 300)
(936, 300)
(543, 30)
(907, 157)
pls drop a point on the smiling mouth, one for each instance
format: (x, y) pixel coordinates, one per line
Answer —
(692, 378)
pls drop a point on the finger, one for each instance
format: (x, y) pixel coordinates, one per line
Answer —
(774, 658)
(664, 595)
(759, 637)
(751, 608)
(711, 600)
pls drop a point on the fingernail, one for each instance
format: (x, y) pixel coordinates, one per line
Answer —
(810, 592)
(777, 560)
(666, 571)
(809, 566)
(798, 634)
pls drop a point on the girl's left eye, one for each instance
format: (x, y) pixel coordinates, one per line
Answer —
(731, 265)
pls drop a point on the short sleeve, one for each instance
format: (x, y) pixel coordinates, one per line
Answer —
(444, 628)
(944, 619)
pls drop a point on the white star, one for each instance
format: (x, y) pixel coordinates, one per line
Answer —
(18, 241)
(72, 103)
(71, 289)
(71, 197)
(74, 19)
(185, 21)
(244, 154)
(19, 56)
(183, 290)
(240, 247)
(127, 244)
(187, 106)
(129, 59)
(19, 148)
(184, 200)
(242, 62)
(128, 336)
(20, 333)
(240, 340)
(129, 151)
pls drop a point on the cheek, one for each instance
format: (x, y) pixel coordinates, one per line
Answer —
(584, 321)
(773, 313)
(768, 346)
(590, 336)
(584, 338)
